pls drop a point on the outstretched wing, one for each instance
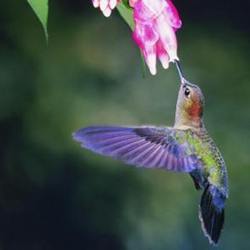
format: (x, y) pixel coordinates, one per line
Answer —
(150, 147)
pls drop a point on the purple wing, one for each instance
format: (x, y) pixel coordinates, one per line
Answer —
(150, 147)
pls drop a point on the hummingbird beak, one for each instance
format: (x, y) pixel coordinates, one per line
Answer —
(180, 73)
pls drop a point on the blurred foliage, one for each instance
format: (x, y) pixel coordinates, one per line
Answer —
(55, 195)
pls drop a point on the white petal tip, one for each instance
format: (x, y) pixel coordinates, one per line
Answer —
(164, 62)
(151, 62)
(103, 4)
(107, 12)
(95, 3)
(165, 66)
(153, 72)
(173, 57)
(112, 4)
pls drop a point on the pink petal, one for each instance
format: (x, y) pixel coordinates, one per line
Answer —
(103, 4)
(149, 53)
(151, 62)
(132, 3)
(155, 6)
(162, 55)
(112, 4)
(167, 37)
(107, 12)
(172, 15)
(96, 3)
(145, 34)
(147, 10)
(148, 48)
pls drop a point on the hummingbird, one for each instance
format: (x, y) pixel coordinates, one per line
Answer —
(186, 147)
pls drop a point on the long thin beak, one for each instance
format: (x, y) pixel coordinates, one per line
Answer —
(180, 72)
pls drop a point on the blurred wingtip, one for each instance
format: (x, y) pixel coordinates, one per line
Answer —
(76, 136)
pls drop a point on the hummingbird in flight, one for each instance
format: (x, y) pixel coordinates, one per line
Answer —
(185, 148)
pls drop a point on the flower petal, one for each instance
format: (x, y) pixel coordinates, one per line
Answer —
(173, 15)
(167, 37)
(151, 62)
(112, 4)
(162, 55)
(149, 53)
(132, 3)
(107, 12)
(103, 4)
(141, 13)
(145, 34)
(155, 6)
(96, 3)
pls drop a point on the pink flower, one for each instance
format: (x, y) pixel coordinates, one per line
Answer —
(155, 24)
(106, 6)
(132, 3)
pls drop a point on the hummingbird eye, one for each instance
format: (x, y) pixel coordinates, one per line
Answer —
(187, 92)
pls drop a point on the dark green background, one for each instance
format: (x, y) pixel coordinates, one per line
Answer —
(53, 194)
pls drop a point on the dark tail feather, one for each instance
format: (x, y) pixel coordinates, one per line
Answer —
(211, 213)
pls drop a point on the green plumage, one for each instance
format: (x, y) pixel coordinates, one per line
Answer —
(214, 168)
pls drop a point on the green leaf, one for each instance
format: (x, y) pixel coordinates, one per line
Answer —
(41, 8)
(127, 14)
(126, 3)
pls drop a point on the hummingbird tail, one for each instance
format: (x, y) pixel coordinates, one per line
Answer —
(211, 213)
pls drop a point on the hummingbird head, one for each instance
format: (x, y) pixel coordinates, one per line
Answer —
(189, 108)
